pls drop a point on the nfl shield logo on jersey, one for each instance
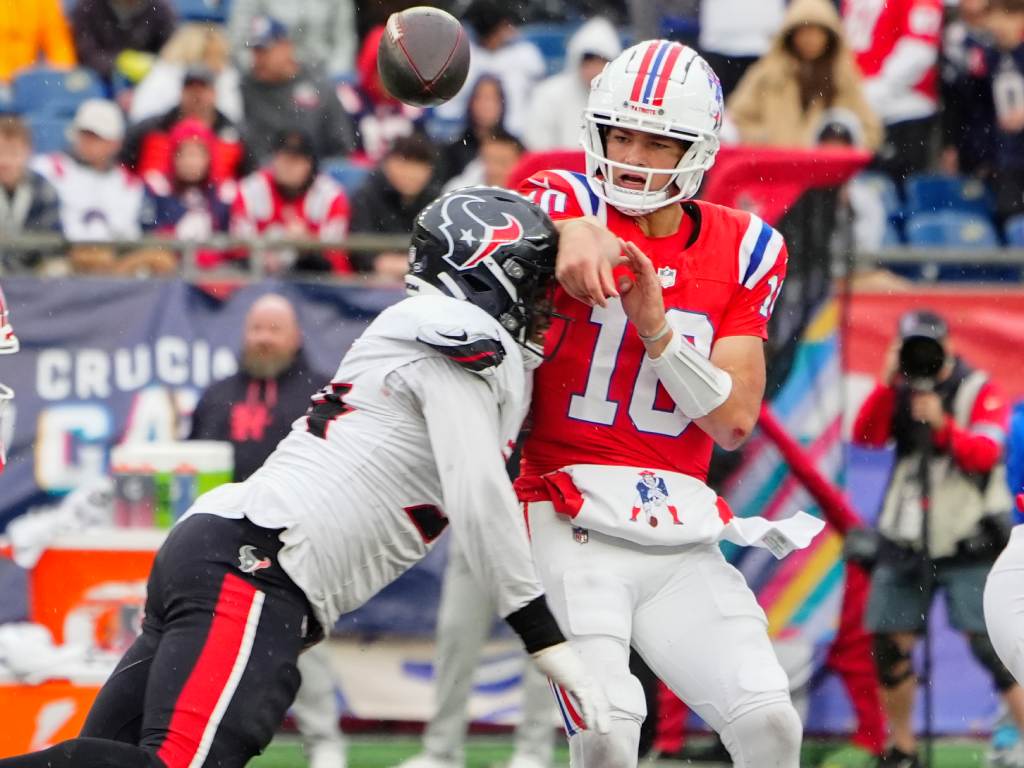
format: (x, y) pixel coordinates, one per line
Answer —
(651, 497)
(667, 276)
(582, 535)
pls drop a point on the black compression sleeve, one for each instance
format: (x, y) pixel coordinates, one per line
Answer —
(536, 625)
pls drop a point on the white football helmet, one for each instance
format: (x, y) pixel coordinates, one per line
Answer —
(658, 87)
(8, 346)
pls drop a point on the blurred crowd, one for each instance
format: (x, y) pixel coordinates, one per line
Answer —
(197, 118)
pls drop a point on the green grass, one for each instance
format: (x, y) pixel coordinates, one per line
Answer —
(385, 751)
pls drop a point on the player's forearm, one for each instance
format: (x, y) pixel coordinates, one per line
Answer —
(731, 424)
(724, 399)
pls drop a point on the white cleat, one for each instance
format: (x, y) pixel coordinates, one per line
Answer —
(423, 760)
(327, 755)
(526, 761)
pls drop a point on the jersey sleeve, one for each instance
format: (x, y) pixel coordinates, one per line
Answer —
(463, 424)
(979, 446)
(561, 194)
(762, 259)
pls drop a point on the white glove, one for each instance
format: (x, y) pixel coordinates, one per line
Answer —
(562, 664)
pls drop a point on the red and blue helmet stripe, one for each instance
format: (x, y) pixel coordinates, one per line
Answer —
(655, 70)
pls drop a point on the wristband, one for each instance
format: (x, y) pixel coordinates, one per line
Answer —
(665, 330)
(536, 625)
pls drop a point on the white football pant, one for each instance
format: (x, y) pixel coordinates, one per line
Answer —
(1004, 604)
(316, 709)
(464, 621)
(693, 619)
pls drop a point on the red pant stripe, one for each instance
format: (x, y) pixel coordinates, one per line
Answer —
(209, 688)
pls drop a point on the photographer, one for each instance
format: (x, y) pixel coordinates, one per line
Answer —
(945, 514)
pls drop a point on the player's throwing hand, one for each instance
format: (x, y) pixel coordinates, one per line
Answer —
(587, 254)
(642, 295)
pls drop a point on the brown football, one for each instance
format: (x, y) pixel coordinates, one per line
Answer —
(423, 57)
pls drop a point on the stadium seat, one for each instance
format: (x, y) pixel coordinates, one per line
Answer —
(551, 39)
(215, 11)
(929, 193)
(53, 92)
(49, 133)
(1015, 231)
(350, 175)
(444, 130)
(951, 229)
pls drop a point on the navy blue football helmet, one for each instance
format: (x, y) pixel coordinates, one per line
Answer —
(491, 247)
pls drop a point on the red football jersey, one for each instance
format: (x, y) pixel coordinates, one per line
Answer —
(598, 400)
(875, 28)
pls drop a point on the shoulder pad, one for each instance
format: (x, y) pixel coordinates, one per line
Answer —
(562, 194)
(460, 331)
(474, 351)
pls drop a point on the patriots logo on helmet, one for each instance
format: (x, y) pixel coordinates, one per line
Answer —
(461, 224)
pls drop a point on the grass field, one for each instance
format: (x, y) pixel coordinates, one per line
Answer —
(385, 751)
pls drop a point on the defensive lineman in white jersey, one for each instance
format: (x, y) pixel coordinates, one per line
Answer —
(1004, 602)
(407, 438)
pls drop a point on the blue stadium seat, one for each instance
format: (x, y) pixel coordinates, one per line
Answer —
(1015, 231)
(551, 39)
(49, 133)
(951, 229)
(444, 130)
(929, 193)
(891, 238)
(215, 11)
(350, 175)
(54, 92)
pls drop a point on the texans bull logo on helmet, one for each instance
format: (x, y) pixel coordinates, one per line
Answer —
(461, 223)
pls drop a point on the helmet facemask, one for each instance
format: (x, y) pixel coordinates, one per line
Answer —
(528, 317)
(683, 180)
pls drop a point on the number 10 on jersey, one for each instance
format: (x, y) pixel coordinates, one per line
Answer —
(595, 406)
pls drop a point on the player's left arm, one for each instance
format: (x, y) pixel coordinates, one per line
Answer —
(722, 393)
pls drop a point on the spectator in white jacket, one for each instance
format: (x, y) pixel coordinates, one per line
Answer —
(557, 103)
(99, 198)
(736, 33)
(498, 50)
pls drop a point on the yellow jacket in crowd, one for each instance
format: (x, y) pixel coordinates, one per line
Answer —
(29, 28)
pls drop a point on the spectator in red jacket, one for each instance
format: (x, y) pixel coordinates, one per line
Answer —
(897, 47)
(147, 148)
(379, 117)
(182, 201)
(289, 198)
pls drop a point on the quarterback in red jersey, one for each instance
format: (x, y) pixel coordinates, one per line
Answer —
(666, 302)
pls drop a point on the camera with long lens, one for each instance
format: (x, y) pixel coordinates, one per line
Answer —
(922, 354)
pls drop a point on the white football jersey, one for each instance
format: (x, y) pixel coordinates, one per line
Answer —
(412, 433)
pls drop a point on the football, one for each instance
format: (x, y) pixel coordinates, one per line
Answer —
(423, 57)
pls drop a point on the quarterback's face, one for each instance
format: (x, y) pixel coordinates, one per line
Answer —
(645, 150)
